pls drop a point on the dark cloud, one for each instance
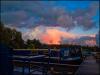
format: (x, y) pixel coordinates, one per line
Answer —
(14, 18)
(84, 17)
(34, 13)
(98, 39)
(82, 40)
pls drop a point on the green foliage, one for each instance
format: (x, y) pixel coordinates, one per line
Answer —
(33, 44)
(10, 37)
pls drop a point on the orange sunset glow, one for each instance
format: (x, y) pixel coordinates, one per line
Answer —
(53, 36)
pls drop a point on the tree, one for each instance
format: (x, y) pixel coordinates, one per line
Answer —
(33, 43)
(16, 39)
(11, 37)
(30, 44)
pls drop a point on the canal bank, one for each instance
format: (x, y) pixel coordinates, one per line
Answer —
(88, 67)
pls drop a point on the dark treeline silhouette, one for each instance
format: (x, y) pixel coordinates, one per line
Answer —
(10, 37)
(13, 39)
(33, 44)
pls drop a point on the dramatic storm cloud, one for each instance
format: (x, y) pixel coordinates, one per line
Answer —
(56, 35)
(48, 34)
(53, 22)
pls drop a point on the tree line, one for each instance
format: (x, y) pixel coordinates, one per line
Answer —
(13, 39)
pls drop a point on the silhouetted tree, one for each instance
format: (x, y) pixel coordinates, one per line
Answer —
(11, 37)
(33, 43)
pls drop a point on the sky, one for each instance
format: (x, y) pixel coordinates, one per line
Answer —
(54, 22)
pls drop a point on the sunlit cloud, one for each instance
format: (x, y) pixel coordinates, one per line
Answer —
(56, 35)
(53, 36)
(51, 22)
